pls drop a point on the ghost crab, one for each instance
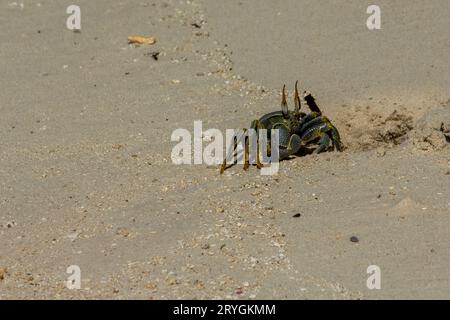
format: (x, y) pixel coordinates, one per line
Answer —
(297, 130)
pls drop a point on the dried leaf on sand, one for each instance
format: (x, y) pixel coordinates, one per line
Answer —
(141, 40)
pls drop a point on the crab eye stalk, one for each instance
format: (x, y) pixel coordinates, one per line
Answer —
(297, 102)
(284, 106)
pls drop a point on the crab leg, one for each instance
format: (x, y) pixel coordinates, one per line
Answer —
(232, 152)
(324, 143)
(246, 153)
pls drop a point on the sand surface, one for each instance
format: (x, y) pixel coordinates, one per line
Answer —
(86, 176)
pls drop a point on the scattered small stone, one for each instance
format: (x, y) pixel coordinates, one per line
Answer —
(151, 286)
(205, 246)
(154, 55)
(196, 25)
(297, 215)
(29, 278)
(239, 291)
(172, 281)
(199, 284)
(123, 232)
(3, 272)
(381, 152)
(73, 236)
(354, 239)
(9, 224)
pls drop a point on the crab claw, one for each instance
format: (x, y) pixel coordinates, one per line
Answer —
(311, 102)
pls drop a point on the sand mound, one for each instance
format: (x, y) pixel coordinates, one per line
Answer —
(406, 203)
(406, 207)
(366, 129)
(432, 131)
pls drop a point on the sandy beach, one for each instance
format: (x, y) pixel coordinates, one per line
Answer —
(87, 179)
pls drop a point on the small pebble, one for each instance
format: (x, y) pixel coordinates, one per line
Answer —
(381, 152)
(155, 55)
(151, 286)
(9, 224)
(3, 272)
(354, 239)
(297, 215)
(123, 232)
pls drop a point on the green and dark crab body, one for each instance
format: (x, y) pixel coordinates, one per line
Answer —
(285, 124)
(296, 130)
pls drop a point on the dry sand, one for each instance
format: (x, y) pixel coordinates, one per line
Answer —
(86, 176)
